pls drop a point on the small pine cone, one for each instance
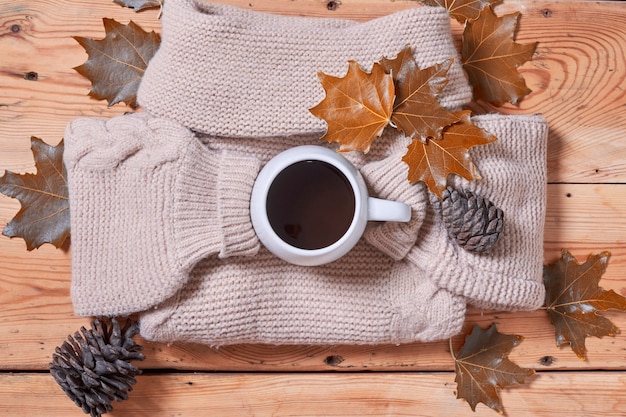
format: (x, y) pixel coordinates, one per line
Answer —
(472, 221)
(93, 367)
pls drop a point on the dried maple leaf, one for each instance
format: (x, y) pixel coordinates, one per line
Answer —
(432, 161)
(138, 5)
(462, 10)
(44, 216)
(483, 368)
(491, 57)
(573, 299)
(357, 107)
(416, 109)
(117, 62)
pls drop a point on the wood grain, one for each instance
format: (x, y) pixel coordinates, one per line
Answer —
(549, 394)
(578, 78)
(37, 314)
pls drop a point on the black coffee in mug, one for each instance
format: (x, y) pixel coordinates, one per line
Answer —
(310, 204)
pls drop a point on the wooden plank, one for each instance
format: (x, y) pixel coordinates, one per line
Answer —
(36, 313)
(29, 345)
(538, 351)
(359, 10)
(578, 75)
(549, 394)
(578, 78)
(584, 219)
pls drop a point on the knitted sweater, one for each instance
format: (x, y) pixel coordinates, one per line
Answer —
(160, 199)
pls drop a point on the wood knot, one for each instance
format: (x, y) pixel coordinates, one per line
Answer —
(333, 360)
(31, 76)
(332, 5)
(15, 27)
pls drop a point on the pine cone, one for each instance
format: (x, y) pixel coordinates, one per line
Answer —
(472, 221)
(93, 367)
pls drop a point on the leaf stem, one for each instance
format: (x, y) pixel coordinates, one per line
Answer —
(451, 349)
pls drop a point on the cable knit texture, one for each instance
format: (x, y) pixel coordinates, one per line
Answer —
(144, 210)
(211, 55)
(160, 200)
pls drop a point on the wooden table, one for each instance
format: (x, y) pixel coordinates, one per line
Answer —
(578, 78)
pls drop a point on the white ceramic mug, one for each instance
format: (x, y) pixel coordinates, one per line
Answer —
(309, 206)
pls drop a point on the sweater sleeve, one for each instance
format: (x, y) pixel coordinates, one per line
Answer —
(388, 179)
(147, 202)
(513, 170)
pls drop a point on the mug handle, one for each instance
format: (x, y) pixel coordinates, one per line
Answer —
(387, 210)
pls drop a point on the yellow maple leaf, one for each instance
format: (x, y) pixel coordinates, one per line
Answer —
(416, 110)
(433, 160)
(357, 107)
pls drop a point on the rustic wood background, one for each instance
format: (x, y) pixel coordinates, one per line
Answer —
(578, 78)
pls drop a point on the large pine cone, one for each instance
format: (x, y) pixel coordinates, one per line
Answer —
(472, 221)
(93, 367)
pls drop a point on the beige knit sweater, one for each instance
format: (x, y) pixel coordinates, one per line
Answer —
(160, 199)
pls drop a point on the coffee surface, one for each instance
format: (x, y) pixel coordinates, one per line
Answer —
(310, 204)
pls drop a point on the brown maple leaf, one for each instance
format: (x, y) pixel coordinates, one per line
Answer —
(138, 5)
(44, 216)
(357, 107)
(573, 299)
(483, 368)
(416, 109)
(491, 58)
(117, 62)
(432, 161)
(462, 10)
